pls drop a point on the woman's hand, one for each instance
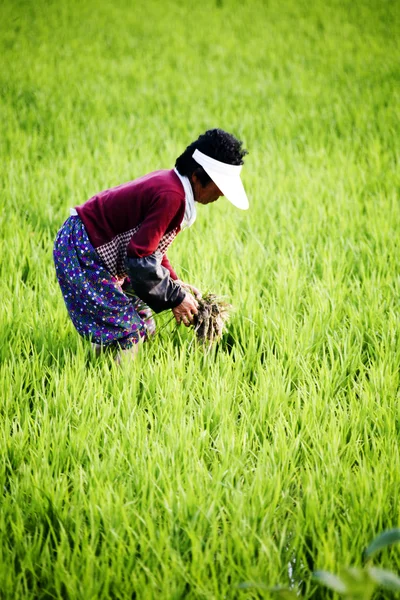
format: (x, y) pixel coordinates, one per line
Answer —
(185, 311)
(187, 286)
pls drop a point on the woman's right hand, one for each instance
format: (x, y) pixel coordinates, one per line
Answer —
(185, 311)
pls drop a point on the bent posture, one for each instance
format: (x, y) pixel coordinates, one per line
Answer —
(110, 254)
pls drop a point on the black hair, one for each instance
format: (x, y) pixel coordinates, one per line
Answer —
(215, 143)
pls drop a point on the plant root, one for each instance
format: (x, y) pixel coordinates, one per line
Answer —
(211, 317)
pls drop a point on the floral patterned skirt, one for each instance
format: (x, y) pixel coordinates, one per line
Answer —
(98, 303)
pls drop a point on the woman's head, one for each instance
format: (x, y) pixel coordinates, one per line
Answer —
(215, 143)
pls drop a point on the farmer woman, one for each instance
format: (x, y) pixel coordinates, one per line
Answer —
(110, 254)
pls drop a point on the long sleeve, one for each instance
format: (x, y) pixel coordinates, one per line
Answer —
(164, 214)
(151, 275)
(165, 263)
(153, 284)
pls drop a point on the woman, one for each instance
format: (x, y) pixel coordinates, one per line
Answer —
(110, 254)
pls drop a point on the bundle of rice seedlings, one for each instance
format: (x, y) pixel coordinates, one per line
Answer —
(213, 312)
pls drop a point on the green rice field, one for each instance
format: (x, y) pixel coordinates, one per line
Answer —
(188, 474)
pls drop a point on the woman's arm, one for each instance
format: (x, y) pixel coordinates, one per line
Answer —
(191, 288)
(153, 284)
(150, 278)
(165, 263)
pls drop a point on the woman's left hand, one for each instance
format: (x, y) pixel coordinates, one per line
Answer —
(191, 288)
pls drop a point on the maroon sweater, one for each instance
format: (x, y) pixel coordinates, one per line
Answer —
(135, 219)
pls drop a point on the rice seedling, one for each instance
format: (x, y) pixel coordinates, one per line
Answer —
(274, 454)
(354, 582)
(210, 319)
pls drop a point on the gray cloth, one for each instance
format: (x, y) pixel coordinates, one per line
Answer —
(153, 284)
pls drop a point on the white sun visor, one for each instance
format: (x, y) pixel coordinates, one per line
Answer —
(226, 178)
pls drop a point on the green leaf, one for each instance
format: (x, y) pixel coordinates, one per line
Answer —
(391, 536)
(282, 593)
(386, 579)
(331, 581)
(354, 576)
(358, 582)
(247, 585)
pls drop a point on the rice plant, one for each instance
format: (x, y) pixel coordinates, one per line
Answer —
(273, 455)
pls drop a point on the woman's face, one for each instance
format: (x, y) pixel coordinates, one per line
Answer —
(205, 195)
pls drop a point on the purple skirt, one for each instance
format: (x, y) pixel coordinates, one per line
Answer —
(98, 303)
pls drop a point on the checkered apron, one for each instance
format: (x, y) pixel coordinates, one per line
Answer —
(114, 252)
